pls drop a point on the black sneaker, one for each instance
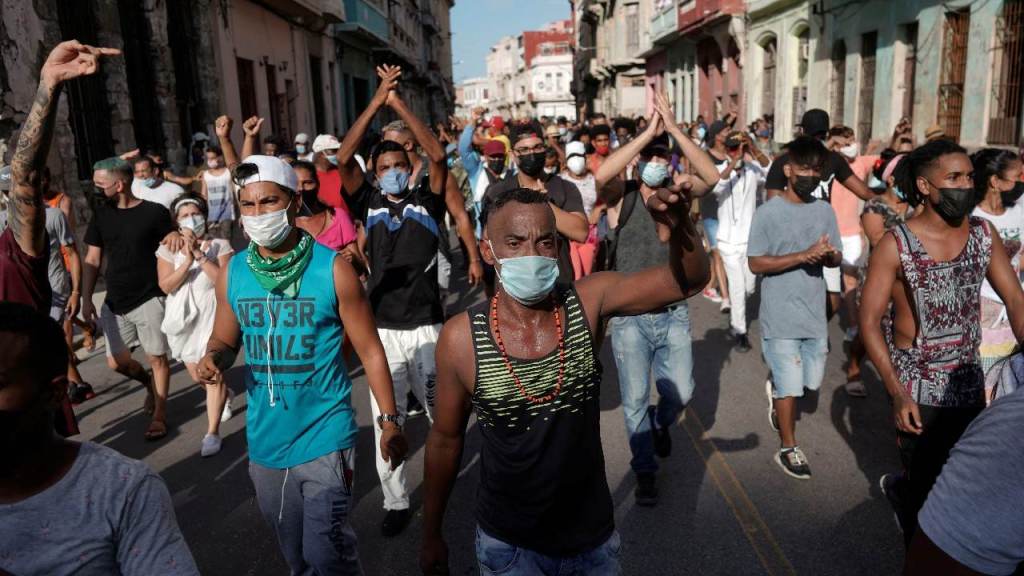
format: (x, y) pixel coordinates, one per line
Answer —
(646, 492)
(793, 462)
(742, 343)
(662, 437)
(414, 406)
(889, 483)
(79, 392)
(394, 522)
(773, 417)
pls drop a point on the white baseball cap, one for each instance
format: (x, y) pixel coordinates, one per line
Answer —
(575, 148)
(301, 138)
(325, 142)
(268, 169)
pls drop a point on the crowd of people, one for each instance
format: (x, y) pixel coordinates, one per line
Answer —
(304, 255)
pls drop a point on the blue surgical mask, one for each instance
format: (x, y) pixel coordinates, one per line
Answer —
(149, 182)
(333, 159)
(300, 148)
(874, 183)
(394, 182)
(527, 279)
(654, 174)
(701, 132)
(451, 161)
(899, 193)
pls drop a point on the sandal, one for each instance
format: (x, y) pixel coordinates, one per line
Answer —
(156, 431)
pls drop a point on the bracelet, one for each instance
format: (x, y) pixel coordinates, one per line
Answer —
(392, 418)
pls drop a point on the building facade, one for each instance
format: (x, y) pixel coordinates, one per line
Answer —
(472, 93)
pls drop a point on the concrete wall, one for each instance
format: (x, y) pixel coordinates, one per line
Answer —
(782, 20)
(256, 34)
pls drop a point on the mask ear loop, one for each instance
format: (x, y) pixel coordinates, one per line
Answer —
(270, 334)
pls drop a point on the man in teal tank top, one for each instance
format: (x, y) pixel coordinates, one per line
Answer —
(289, 301)
(527, 363)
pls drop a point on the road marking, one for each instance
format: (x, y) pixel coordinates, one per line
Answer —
(761, 539)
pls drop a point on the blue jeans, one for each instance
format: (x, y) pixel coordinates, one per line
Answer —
(796, 363)
(658, 343)
(308, 508)
(496, 557)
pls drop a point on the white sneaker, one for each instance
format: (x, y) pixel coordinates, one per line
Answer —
(211, 445)
(227, 413)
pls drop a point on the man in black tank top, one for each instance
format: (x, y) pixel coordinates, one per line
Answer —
(527, 363)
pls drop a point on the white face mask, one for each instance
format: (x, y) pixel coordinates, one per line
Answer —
(850, 150)
(196, 223)
(213, 164)
(268, 230)
(577, 165)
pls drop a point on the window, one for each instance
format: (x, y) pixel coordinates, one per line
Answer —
(559, 82)
(770, 48)
(909, 68)
(866, 96)
(838, 82)
(317, 86)
(802, 64)
(246, 87)
(486, 94)
(954, 69)
(632, 30)
(1005, 121)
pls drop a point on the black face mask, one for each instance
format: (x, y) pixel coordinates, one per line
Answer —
(496, 165)
(954, 204)
(532, 164)
(1011, 196)
(311, 203)
(804, 187)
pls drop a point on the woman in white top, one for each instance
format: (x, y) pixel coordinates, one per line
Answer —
(998, 189)
(189, 277)
(578, 172)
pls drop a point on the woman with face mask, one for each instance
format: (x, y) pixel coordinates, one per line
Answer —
(998, 189)
(188, 277)
(881, 214)
(578, 172)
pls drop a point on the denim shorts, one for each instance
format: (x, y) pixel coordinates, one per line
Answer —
(796, 363)
(711, 231)
(496, 557)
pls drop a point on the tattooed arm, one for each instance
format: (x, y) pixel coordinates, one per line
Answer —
(67, 61)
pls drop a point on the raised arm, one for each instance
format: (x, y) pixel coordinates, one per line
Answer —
(464, 226)
(68, 60)
(611, 169)
(251, 127)
(351, 173)
(430, 144)
(700, 161)
(470, 158)
(685, 274)
(223, 129)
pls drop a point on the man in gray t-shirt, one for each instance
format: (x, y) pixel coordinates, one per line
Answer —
(792, 238)
(59, 236)
(69, 508)
(973, 517)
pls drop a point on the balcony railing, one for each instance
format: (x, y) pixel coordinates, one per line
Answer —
(364, 18)
(664, 23)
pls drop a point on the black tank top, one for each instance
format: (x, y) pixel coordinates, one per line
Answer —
(542, 479)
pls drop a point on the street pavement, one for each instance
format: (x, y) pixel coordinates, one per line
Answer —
(725, 507)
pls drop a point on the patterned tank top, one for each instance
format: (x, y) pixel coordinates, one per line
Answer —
(542, 480)
(942, 367)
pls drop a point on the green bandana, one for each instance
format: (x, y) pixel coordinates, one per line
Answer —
(284, 274)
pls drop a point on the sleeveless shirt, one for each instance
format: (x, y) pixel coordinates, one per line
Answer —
(542, 478)
(300, 405)
(219, 199)
(942, 369)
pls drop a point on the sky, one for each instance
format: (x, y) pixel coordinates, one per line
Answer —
(478, 24)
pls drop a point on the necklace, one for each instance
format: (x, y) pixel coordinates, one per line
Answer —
(508, 362)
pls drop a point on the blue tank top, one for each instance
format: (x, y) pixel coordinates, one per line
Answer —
(299, 404)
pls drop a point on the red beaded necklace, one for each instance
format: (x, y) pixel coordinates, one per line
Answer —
(508, 363)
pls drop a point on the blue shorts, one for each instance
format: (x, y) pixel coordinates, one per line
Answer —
(796, 363)
(711, 231)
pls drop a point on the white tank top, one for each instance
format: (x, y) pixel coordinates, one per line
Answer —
(219, 196)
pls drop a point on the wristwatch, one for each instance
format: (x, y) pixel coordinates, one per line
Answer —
(393, 418)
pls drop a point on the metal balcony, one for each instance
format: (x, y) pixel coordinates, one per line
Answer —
(366, 20)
